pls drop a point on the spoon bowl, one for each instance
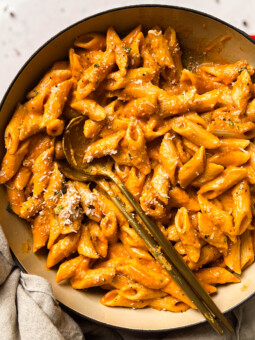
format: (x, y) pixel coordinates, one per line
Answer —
(75, 144)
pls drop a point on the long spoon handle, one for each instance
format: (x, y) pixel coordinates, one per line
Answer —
(172, 255)
(162, 258)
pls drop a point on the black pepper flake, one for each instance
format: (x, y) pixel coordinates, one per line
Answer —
(12, 15)
(64, 189)
(245, 23)
(242, 69)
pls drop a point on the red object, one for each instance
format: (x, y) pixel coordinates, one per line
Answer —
(252, 36)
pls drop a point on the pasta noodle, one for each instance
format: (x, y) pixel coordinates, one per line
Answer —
(181, 142)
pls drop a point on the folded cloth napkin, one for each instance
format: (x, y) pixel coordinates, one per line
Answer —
(29, 311)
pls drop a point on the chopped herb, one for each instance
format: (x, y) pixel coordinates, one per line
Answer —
(59, 207)
(238, 127)
(96, 65)
(9, 208)
(56, 85)
(161, 280)
(55, 193)
(128, 49)
(36, 92)
(144, 74)
(230, 122)
(129, 155)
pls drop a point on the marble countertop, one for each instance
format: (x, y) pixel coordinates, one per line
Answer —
(26, 24)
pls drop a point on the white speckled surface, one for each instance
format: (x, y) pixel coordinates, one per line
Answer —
(26, 24)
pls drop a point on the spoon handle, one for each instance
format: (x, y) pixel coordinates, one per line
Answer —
(172, 255)
(162, 257)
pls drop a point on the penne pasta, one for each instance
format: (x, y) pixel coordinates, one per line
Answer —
(188, 235)
(181, 141)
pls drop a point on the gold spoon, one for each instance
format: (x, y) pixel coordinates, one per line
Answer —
(74, 145)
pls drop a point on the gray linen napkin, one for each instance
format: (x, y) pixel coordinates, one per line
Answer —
(28, 311)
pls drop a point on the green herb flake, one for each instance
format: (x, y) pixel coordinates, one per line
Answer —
(230, 122)
(36, 92)
(128, 49)
(96, 65)
(55, 193)
(129, 155)
(60, 207)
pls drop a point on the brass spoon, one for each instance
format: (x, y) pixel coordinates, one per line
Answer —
(74, 145)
